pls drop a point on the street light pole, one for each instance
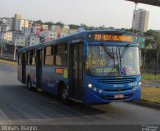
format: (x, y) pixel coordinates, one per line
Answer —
(15, 48)
(1, 49)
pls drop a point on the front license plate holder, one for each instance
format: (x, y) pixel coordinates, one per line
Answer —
(119, 96)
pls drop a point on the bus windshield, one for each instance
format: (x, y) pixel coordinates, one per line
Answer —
(112, 60)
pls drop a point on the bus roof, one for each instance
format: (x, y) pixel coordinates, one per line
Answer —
(82, 35)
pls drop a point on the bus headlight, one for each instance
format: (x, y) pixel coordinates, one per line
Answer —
(140, 83)
(90, 85)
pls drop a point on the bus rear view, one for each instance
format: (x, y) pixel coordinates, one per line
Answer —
(112, 71)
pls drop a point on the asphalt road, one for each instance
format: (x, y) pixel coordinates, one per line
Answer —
(19, 106)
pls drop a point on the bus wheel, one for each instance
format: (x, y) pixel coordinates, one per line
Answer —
(64, 94)
(29, 84)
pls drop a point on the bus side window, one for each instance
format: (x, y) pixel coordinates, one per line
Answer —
(31, 57)
(26, 57)
(61, 54)
(48, 55)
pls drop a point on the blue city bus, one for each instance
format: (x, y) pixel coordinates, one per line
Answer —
(94, 67)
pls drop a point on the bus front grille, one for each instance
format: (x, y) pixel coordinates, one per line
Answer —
(118, 80)
(117, 89)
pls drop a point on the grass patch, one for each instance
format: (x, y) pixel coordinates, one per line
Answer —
(151, 78)
(8, 62)
(151, 94)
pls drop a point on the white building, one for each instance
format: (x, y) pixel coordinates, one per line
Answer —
(33, 40)
(55, 28)
(19, 24)
(65, 29)
(18, 16)
(141, 20)
(19, 40)
(36, 29)
(73, 31)
(48, 35)
(44, 27)
(26, 31)
(7, 36)
(4, 28)
(10, 23)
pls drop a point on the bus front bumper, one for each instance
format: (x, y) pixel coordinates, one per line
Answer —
(91, 97)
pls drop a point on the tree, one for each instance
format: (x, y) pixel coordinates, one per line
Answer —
(49, 23)
(148, 42)
(158, 51)
(37, 22)
(59, 23)
(84, 26)
(72, 26)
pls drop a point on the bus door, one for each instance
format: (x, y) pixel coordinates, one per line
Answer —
(38, 68)
(23, 60)
(76, 72)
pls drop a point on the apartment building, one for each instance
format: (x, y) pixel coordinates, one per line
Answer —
(33, 40)
(141, 19)
(19, 40)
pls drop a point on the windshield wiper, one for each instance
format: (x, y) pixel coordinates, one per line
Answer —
(121, 55)
(107, 51)
(124, 50)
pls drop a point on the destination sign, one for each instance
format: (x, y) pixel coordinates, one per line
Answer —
(110, 37)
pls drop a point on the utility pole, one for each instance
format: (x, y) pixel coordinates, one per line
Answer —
(1, 49)
(15, 48)
(158, 53)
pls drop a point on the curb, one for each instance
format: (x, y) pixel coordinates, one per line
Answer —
(147, 104)
(8, 62)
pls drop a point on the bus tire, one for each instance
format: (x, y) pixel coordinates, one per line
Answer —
(64, 94)
(29, 84)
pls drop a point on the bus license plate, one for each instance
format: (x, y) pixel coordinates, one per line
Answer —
(119, 96)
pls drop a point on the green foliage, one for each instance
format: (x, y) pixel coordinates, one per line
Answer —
(148, 42)
(152, 78)
(156, 38)
(84, 26)
(149, 57)
(59, 23)
(37, 22)
(72, 26)
(150, 33)
(48, 23)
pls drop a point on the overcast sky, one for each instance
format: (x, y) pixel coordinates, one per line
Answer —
(110, 13)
